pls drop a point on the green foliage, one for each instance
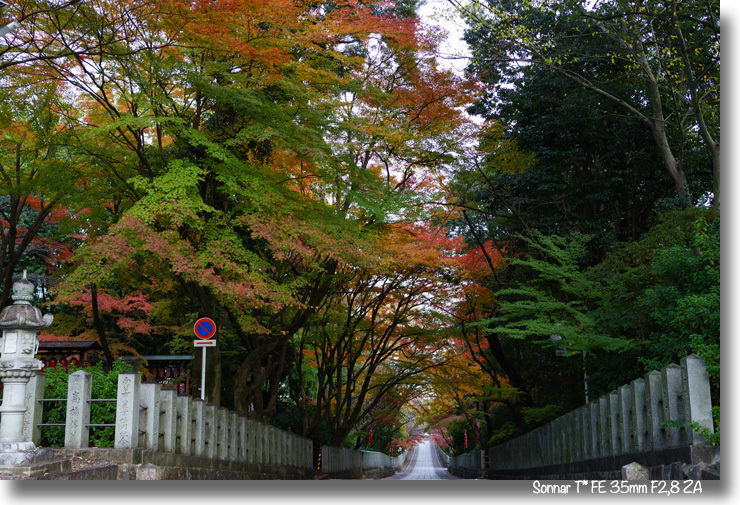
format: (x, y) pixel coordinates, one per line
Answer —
(553, 297)
(456, 431)
(685, 302)
(663, 292)
(640, 58)
(596, 172)
(711, 437)
(537, 416)
(674, 423)
(104, 386)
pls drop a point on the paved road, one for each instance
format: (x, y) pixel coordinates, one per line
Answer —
(424, 465)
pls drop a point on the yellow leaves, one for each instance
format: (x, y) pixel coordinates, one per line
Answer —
(16, 133)
(503, 153)
(406, 247)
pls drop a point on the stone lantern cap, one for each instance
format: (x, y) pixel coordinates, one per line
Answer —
(22, 315)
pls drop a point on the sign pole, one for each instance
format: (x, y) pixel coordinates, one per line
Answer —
(204, 329)
(203, 377)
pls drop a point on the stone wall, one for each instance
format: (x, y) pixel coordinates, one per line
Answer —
(623, 424)
(142, 464)
(342, 463)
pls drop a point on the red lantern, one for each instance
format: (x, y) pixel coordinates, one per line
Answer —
(168, 372)
(52, 363)
(63, 362)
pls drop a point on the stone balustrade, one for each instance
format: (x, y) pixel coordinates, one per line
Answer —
(470, 466)
(340, 462)
(631, 420)
(154, 419)
(443, 457)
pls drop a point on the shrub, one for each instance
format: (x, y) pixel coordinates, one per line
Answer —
(104, 386)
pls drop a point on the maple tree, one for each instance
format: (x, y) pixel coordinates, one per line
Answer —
(379, 336)
(37, 172)
(241, 157)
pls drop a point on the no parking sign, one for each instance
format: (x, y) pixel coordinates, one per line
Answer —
(204, 329)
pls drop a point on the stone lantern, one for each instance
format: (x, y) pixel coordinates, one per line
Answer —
(19, 324)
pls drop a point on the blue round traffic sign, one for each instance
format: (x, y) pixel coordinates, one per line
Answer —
(204, 328)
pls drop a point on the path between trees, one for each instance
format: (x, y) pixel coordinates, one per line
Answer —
(424, 465)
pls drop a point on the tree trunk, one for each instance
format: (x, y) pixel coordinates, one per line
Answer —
(99, 328)
(716, 170)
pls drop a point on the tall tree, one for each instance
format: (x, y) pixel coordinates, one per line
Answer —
(377, 333)
(248, 151)
(669, 51)
(38, 173)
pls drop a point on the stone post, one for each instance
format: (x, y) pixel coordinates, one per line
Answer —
(168, 421)
(275, 443)
(534, 454)
(149, 400)
(260, 442)
(211, 431)
(562, 427)
(127, 411)
(625, 419)
(697, 397)
(593, 420)
(233, 437)
(265, 444)
(79, 389)
(222, 433)
(549, 449)
(280, 445)
(285, 452)
(654, 406)
(585, 433)
(242, 440)
(673, 404)
(34, 410)
(251, 442)
(613, 409)
(574, 439)
(199, 427)
(604, 428)
(184, 423)
(577, 439)
(639, 415)
(19, 323)
(271, 445)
